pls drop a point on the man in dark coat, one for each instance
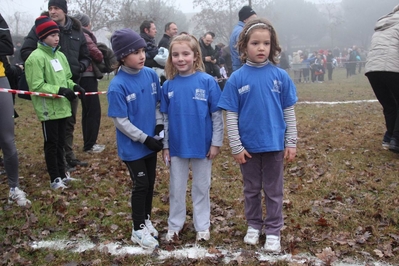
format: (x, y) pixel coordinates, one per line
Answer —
(73, 45)
(209, 55)
(148, 31)
(170, 32)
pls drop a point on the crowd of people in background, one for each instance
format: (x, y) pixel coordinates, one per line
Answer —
(312, 66)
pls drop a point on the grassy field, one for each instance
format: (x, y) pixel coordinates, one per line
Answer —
(341, 193)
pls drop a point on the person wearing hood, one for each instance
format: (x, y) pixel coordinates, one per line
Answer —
(382, 71)
(73, 44)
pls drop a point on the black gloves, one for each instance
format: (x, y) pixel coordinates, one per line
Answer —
(153, 144)
(81, 91)
(67, 93)
(158, 128)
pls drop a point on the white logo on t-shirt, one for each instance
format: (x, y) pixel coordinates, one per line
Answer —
(154, 88)
(199, 95)
(244, 89)
(170, 94)
(276, 86)
(131, 97)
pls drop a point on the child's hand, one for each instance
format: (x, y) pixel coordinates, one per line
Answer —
(166, 157)
(240, 157)
(213, 151)
(289, 154)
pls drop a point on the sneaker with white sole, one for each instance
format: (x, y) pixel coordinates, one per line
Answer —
(18, 196)
(171, 235)
(203, 235)
(150, 227)
(144, 238)
(97, 148)
(58, 184)
(385, 145)
(68, 178)
(252, 236)
(272, 244)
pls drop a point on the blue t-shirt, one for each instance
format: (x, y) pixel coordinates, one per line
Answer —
(134, 96)
(259, 95)
(189, 102)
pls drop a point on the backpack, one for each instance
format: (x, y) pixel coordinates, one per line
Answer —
(109, 62)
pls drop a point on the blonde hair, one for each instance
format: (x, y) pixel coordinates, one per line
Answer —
(192, 42)
(254, 24)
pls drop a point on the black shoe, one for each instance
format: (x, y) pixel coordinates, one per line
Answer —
(394, 145)
(69, 168)
(75, 162)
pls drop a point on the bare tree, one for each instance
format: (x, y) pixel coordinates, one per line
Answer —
(219, 17)
(19, 23)
(101, 12)
(333, 13)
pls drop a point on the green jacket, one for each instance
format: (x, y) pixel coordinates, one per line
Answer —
(42, 77)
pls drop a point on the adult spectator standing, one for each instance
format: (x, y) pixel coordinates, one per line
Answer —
(244, 15)
(283, 62)
(91, 107)
(170, 32)
(7, 136)
(382, 71)
(227, 59)
(330, 64)
(148, 31)
(73, 45)
(209, 55)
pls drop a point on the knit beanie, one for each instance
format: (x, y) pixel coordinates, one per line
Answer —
(245, 12)
(45, 26)
(59, 3)
(125, 42)
(83, 18)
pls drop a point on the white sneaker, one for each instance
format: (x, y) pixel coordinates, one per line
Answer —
(272, 244)
(203, 235)
(58, 183)
(385, 145)
(97, 148)
(171, 235)
(19, 196)
(252, 236)
(68, 178)
(151, 228)
(144, 238)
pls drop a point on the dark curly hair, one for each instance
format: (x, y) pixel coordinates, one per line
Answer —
(259, 23)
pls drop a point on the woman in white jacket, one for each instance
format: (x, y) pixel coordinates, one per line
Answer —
(382, 70)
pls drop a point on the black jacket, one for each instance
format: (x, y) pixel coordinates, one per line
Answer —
(164, 42)
(73, 45)
(210, 68)
(150, 52)
(6, 46)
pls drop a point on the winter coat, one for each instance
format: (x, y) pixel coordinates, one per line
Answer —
(150, 52)
(42, 77)
(13, 72)
(384, 49)
(72, 43)
(95, 54)
(164, 42)
(208, 51)
(6, 46)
